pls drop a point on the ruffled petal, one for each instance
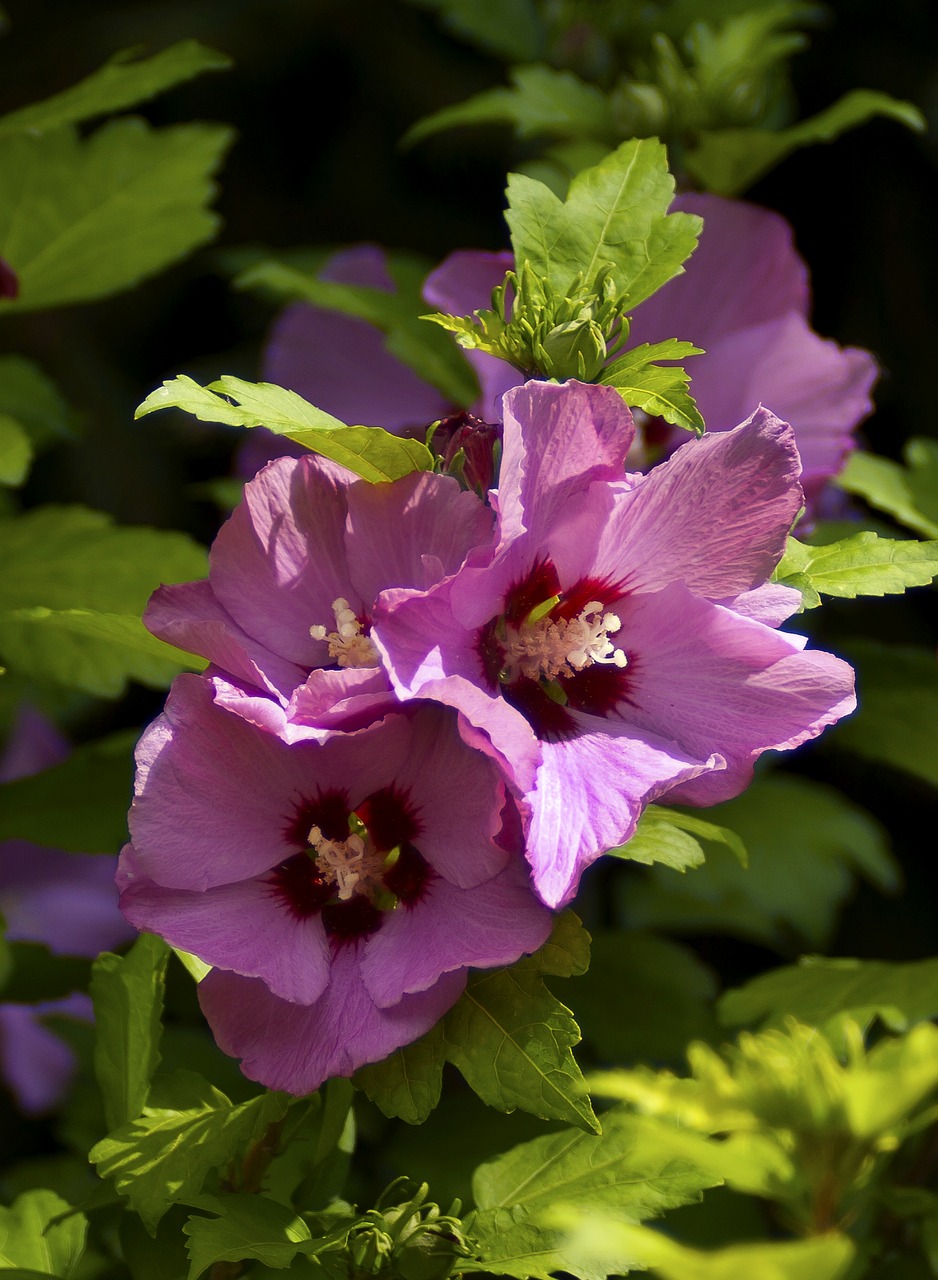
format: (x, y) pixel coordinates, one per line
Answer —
(244, 927)
(718, 682)
(297, 1047)
(715, 516)
(278, 562)
(450, 928)
(590, 793)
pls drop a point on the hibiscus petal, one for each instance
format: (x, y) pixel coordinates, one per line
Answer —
(297, 1047)
(558, 439)
(278, 562)
(189, 616)
(715, 516)
(590, 792)
(393, 528)
(243, 927)
(492, 924)
(716, 681)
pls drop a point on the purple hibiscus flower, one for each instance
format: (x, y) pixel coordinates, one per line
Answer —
(339, 888)
(66, 901)
(621, 643)
(744, 298)
(293, 576)
(342, 364)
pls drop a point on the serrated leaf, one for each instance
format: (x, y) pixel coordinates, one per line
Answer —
(165, 1154)
(798, 833)
(83, 218)
(512, 1040)
(614, 215)
(29, 1240)
(16, 451)
(124, 80)
(542, 102)
(79, 805)
(818, 988)
(507, 1035)
(864, 565)
(408, 1083)
(674, 839)
(371, 452)
(626, 1168)
(898, 696)
(510, 1244)
(72, 588)
(660, 391)
(729, 161)
(397, 314)
(909, 494)
(127, 992)
(246, 1227)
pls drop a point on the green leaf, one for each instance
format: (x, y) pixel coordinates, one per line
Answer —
(72, 588)
(823, 1258)
(398, 314)
(124, 80)
(29, 1239)
(818, 988)
(372, 453)
(513, 29)
(247, 1227)
(542, 102)
(898, 696)
(408, 1083)
(909, 494)
(16, 451)
(897, 1076)
(730, 160)
(805, 842)
(507, 1035)
(79, 805)
(864, 565)
(657, 389)
(615, 215)
(674, 839)
(83, 218)
(33, 401)
(189, 1129)
(510, 1244)
(625, 1168)
(512, 1040)
(128, 1003)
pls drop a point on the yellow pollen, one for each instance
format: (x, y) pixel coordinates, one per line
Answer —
(550, 647)
(348, 647)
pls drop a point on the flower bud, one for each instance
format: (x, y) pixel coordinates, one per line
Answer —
(469, 449)
(576, 349)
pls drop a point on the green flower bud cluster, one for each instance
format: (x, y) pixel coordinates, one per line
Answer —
(544, 333)
(411, 1240)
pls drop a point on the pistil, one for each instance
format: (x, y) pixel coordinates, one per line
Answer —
(546, 648)
(348, 645)
(353, 865)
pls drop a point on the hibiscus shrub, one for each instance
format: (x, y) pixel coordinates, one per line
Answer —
(475, 857)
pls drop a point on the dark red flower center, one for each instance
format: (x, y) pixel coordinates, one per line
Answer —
(354, 865)
(553, 650)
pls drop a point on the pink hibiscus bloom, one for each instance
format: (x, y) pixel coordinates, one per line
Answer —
(340, 888)
(293, 576)
(620, 644)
